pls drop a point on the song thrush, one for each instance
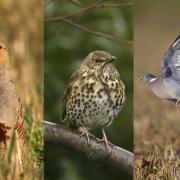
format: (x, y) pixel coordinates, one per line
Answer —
(11, 118)
(95, 94)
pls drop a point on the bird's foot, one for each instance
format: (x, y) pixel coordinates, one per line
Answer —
(178, 104)
(84, 132)
(104, 140)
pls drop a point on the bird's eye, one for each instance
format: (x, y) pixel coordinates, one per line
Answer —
(98, 60)
(0, 47)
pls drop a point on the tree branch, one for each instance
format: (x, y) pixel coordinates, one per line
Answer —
(97, 33)
(87, 9)
(115, 156)
(75, 2)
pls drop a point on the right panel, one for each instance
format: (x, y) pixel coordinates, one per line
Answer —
(157, 125)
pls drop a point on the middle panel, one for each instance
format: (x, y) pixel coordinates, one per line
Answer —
(88, 90)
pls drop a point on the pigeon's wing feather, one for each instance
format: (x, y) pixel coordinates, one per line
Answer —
(68, 93)
(171, 61)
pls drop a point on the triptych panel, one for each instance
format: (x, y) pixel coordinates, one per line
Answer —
(89, 90)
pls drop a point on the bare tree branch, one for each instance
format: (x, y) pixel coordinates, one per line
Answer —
(78, 12)
(89, 8)
(115, 156)
(97, 33)
(75, 2)
(85, 9)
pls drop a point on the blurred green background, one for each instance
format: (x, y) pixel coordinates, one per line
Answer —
(65, 49)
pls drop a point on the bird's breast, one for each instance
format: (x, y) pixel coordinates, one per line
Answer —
(172, 87)
(159, 89)
(95, 101)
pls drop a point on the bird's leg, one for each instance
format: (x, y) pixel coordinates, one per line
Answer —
(85, 132)
(104, 139)
(63, 120)
(178, 103)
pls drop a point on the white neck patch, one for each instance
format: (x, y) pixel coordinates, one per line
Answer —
(152, 80)
(175, 43)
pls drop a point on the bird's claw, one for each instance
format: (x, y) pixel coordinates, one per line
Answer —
(84, 131)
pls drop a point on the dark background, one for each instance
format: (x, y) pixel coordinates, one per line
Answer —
(65, 49)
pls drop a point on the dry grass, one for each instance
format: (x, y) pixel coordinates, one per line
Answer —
(156, 137)
(21, 30)
(158, 165)
(156, 121)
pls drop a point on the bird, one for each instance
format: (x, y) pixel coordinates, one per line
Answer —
(167, 85)
(11, 114)
(94, 95)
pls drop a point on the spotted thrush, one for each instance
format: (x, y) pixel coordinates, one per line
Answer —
(95, 94)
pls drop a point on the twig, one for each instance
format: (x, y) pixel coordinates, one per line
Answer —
(78, 12)
(99, 4)
(97, 33)
(88, 8)
(75, 2)
(115, 156)
(125, 4)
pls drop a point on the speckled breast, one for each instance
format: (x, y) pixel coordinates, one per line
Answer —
(96, 99)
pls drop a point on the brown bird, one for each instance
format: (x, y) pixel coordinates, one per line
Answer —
(11, 118)
(94, 95)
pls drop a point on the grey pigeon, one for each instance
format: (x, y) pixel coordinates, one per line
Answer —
(167, 85)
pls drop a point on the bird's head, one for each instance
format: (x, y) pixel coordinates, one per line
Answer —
(146, 77)
(98, 59)
(4, 58)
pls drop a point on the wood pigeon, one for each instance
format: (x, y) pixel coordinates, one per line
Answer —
(167, 85)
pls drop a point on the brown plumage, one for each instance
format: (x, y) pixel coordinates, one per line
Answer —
(11, 117)
(95, 93)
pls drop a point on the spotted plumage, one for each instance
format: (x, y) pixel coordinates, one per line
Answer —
(95, 93)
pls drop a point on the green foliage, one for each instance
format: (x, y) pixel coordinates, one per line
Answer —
(35, 147)
(65, 49)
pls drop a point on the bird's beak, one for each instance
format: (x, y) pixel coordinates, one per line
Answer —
(141, 78)
(110, 60)
(113, 58)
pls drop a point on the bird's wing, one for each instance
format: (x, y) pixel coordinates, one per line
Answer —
(171, 61)
(19, 124)
(11, 115)
(67, 93)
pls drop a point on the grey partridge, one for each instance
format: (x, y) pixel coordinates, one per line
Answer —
(11, 117)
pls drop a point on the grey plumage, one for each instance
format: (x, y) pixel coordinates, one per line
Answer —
(167, 85)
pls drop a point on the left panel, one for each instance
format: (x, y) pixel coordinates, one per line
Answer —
(21, 92)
